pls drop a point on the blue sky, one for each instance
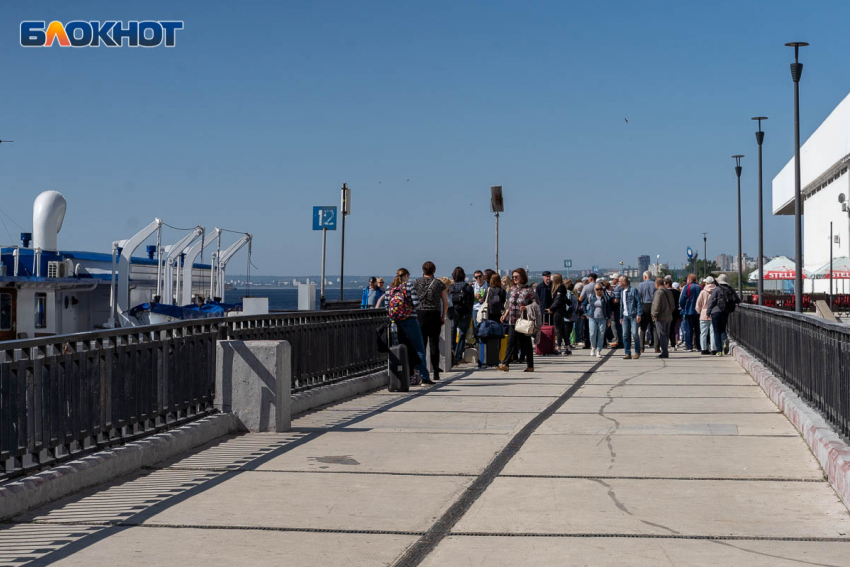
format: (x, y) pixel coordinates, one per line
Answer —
(265, 108)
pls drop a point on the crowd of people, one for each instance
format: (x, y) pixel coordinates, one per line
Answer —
(592, 313)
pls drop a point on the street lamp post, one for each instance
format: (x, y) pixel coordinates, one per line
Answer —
(497, 205)
(704, 254)
(796, 73)
(760, 139)
(738, 170)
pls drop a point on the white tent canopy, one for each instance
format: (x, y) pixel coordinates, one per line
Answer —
(840, 269)
(780, 268)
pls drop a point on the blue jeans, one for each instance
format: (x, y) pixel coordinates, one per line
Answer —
(597, 332)
(718, 323)
(630, 330)
(685, 329)
(410, 327)
(460, 323)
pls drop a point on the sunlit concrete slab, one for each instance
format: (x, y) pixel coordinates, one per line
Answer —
(143, 547)
(661, 507)
(475, 404)
(668, 424)
(476, 551)
(668, 405)
(445, 422)
(670, 379)
(306, 500)
(270, 499)
(691, 456)
(235, 451)
(678, 391)
(507, 389)
(391, 452)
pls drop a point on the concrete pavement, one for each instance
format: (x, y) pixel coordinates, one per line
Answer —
(649, 462)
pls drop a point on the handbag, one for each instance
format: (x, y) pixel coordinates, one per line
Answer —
(524, 325)
(484, 311)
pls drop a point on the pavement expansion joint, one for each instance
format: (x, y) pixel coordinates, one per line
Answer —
(654, 536)
(247, 470)
(417, 552)
(121, 524)
(675, 478)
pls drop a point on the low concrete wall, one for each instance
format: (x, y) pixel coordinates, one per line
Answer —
(38, 489)
(253, 381)
(831, 451)
(338, 391)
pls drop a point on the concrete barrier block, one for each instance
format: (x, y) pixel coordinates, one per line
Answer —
(253, 381)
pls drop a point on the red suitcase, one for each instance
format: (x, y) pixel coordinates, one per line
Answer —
(547, 340)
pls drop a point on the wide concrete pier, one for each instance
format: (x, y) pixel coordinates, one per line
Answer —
(584, 462)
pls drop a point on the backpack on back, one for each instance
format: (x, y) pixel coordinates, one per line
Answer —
(727, 299)
(399, 306)
(460, 300)
(731, 300)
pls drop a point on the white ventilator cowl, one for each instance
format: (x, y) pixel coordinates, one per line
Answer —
(48, 212)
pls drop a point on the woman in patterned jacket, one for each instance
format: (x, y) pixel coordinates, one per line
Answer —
(520, 297)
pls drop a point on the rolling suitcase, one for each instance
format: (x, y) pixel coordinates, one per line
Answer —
(547, 340)
(547, 337)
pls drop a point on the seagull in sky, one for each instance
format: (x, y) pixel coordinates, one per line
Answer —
(627, 120)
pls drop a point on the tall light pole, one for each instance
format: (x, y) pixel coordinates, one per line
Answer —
(759, 140)
(704, 254)
(796, 73)
(497, 205)
(738, 170)
(345, 210)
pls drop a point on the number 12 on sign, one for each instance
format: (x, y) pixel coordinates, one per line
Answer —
(324, 218)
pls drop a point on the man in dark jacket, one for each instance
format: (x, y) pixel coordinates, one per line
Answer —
(544, 293)
(663, 308)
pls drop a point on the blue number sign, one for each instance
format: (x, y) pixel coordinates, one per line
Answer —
(690, 253)
(568, 263)
(324, 217)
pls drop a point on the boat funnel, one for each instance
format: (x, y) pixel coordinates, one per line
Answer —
(48, 212)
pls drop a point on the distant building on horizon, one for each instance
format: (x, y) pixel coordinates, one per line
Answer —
(643, 263)
(724, 262)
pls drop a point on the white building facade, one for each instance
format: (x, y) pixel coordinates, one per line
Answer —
(824, 177)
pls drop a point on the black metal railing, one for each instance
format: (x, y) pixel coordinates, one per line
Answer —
(63, 396)
(338, 305)
(809, 354)
(66, 395)
(327, 346)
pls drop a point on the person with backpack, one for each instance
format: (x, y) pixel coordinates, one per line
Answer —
(432, 310)
(520, 298)
(463, 299)
(722, 302)
(401, 307)
(631, 310)
(687, 304)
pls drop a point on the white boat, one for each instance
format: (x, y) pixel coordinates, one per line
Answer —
(47, 291)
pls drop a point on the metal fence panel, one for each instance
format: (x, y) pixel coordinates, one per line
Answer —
(809, 354)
